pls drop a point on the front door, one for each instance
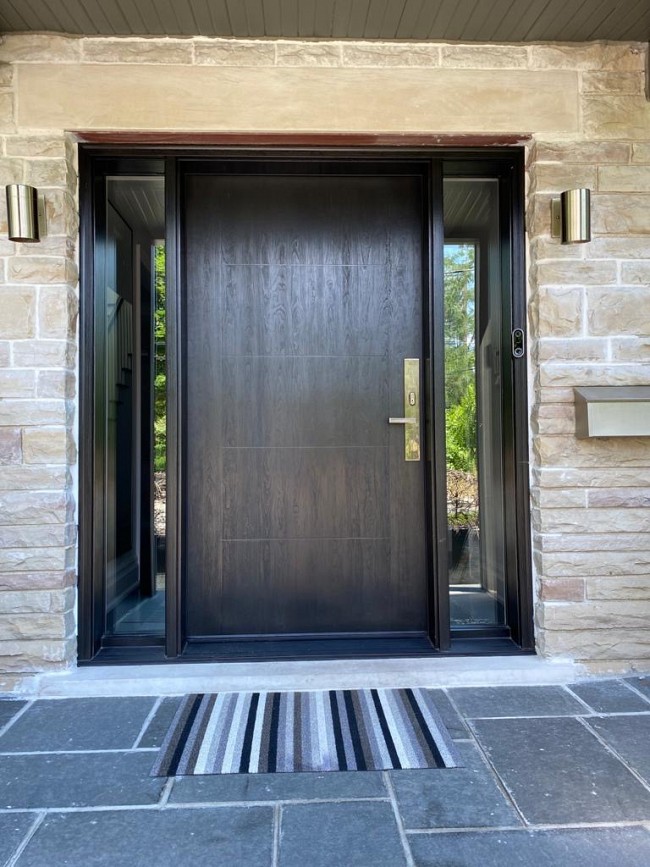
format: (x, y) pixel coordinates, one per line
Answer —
(304, 509)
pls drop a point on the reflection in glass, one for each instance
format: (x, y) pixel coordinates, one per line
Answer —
(472, 291)
(131, 329)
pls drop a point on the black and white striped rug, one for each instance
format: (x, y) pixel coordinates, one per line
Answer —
(338, 730)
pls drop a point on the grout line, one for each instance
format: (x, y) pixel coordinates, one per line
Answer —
(25, 842)
(284, 802)
(636, 691)
(277, 826)
(166, 792)
(398, 820)
(147, 722)
(76, 752)
(610, 749)
(595, 714)
(501, 783)
(577, 698)
(574, 826)
(23, 710)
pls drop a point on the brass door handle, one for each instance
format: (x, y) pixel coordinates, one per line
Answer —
(412, 411)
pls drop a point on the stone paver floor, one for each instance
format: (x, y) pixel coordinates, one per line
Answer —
(552, 776)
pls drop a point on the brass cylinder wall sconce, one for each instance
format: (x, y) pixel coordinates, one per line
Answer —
(22, 213)
(571, 216)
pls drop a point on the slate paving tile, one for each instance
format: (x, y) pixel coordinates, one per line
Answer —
(353, 834)
(13, 828)
(155, 732)
(624, 847)
(228, 837)
(466, 797)
(630, 737)
(78, 724)
(520, 701)
(78, 780)
(610, 696)
(558, 772)
(215, 788)
(450, 716)
(8, 709)
(640, 683)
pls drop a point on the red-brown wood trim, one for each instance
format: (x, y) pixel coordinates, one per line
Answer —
(271, 139)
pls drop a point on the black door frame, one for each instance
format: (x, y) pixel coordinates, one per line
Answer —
(505, 163)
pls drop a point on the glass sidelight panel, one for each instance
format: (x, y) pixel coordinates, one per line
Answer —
(473, 402)
(130, 383)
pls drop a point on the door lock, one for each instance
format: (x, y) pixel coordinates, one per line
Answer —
(411, 417)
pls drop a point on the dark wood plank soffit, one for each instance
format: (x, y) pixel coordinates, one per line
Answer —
(333, 140)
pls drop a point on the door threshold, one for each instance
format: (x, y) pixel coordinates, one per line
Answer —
(435, 671)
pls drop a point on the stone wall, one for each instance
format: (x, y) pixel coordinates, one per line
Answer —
(589, 305)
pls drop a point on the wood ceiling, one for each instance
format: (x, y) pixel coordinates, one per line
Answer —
(463, 20)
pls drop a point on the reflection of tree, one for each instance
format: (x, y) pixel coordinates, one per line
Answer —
(460, 357)
(160, 376)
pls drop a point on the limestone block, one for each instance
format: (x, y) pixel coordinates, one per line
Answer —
(57, 312)
(622, 498)
(605, 56)
(613, 82)
(56, 383)
(42, 269)
(36, 655)
(555, 395)
(12, 171)
(36, 601)
(234, 52)
(485, 56)
(594, 374)
(598, 153)
(580, 273)
(52, 146)
(28, 412)
(551, 248)
(636, 274)
(47, 172)
(18, 305)
(10, 447)
(125, 50)
(61, 213)
(548, 542)
(32, 559)
(28, 47)
(548, 476)
(555, 177)
(6, 74)
(5, 353)
(628, 214)
(247, 98)
(572, 348)
(7, 112)
(611, 246)
(35, 507)
(595, 644)
(592, 520)
(308, 53)
(37, 626)
(594, 563)
(37, 536)
(37, 580)
(627, 587)
(596, 615)
(559, 312)
(43, 445)
(17, 383)
(45, 353)
(624, 179)
(617, 117)
(21, 477)
(641, 152)
(554, 498)
(359, 54)
(600, 454)
(618, 311)
(562, 589)
(630, 348)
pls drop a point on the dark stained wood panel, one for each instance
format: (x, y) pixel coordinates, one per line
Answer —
(463, 20)
(303, 295)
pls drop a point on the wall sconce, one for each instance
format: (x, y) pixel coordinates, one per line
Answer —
(23, 213)
(571, 216)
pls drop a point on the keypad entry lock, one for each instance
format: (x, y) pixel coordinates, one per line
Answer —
(411, 417)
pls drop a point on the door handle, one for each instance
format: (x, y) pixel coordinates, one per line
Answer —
(411, 417)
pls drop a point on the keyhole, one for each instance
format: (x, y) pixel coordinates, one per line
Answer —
(411, 398)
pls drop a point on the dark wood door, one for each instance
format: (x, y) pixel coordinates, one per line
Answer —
(302, 296)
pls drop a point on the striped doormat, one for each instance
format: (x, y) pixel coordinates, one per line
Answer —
(268, 732)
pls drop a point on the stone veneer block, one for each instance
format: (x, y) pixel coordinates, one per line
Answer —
(137, 51)
(196, 98)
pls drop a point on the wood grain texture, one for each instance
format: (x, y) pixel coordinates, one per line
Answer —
(303, 297)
